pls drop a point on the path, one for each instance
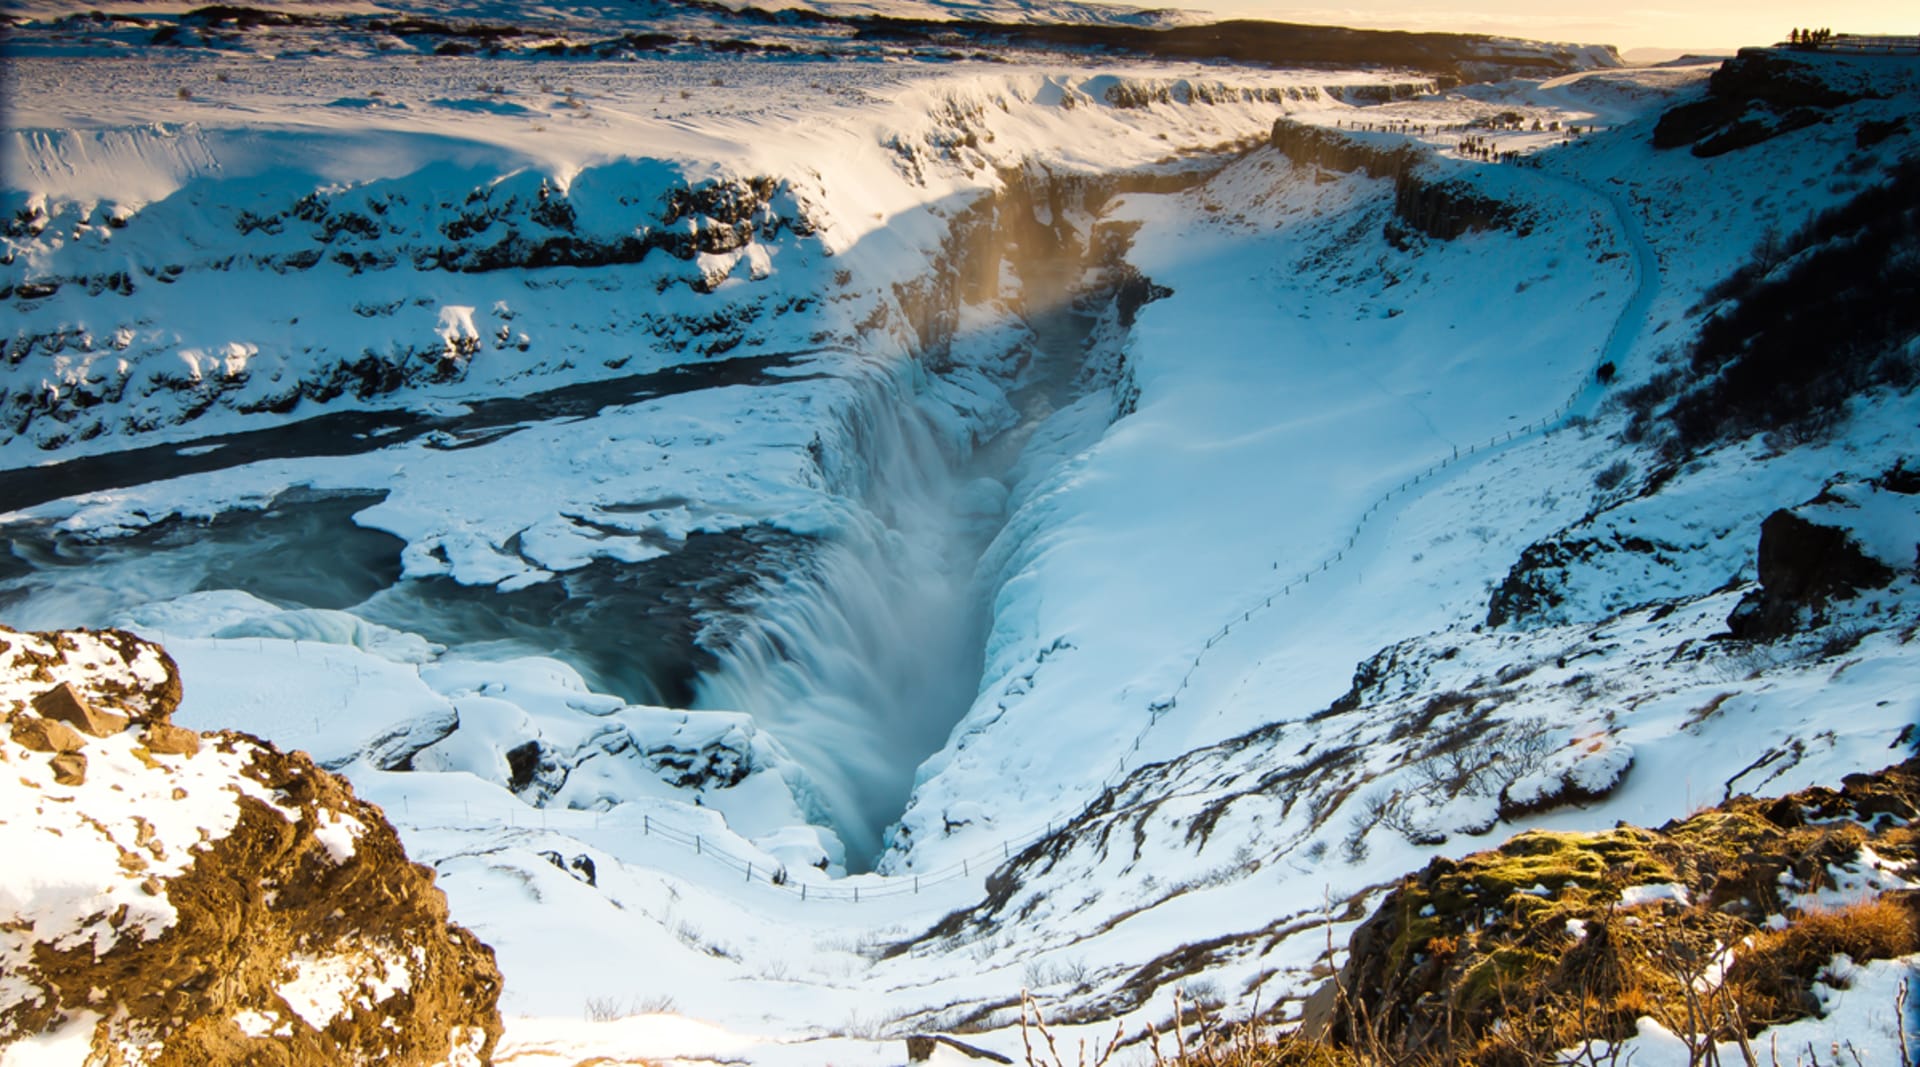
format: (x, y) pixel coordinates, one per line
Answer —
(1622, 336)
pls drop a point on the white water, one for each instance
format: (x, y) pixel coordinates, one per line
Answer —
(862, 659)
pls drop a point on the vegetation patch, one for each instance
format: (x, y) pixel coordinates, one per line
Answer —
(1815, 319)
(1715, 926)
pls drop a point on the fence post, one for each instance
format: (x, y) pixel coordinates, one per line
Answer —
(916, 884)
(749, 872)
(696, 844)
(963, 869)
(856, 894)
(646, 825)
(803, 890)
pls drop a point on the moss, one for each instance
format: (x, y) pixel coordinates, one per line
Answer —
(1500, 976)
(1469, 961)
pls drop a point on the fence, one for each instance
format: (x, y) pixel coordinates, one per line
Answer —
(1612, 350)
(759, 870)
(772, 875)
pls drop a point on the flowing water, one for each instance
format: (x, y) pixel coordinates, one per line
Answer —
(856, 651)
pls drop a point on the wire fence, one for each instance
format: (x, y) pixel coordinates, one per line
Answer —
(759, 869)
(809, 886)
(1612, 350)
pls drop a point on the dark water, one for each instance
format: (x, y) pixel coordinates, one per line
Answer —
(352, 433)
(303, 550)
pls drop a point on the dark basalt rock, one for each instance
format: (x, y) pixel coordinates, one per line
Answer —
(1754, 97)
(1802, 566)
(1438, 209)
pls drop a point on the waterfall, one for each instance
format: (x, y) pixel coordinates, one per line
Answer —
(862, 656)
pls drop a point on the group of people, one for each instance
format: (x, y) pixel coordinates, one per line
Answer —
(1809, 38)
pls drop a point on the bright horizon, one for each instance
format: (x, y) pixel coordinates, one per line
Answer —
(1718, 25)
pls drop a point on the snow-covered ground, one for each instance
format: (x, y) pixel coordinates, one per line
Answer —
(693, 557)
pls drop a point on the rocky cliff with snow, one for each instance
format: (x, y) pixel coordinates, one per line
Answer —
(178, 897)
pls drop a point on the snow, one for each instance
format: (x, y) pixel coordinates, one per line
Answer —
(77, 835)
(65, 1045)
(81, 658)
(337, 833)
(1863, 1017)
(1330, 446)
(323, 988)
(260, 1023)
(1639, 896)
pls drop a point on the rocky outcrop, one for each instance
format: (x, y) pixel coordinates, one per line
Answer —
(1754, 97)
(1536, 585)
(1443, 209)
(195, 899)
(1817, 553)
(1554, 939)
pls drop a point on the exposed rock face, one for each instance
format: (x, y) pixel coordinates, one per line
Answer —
(1754, 97)
(1803, 564)
(411, 224)
(1535, 586)
(1439, 209)
(190, 900)
(1802, 560)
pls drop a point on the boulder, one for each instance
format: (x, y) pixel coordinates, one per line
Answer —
(1802, 560)
(64, 703)
(166, 739)
(45, 735)
(70, 768)
(1802, 566)
(210, 926)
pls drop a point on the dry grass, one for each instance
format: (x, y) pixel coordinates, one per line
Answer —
(1775, 973)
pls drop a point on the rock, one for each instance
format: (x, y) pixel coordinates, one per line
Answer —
(1801, 560)
(64, 703)
(1543, 912)
(111, 671)
(921, 1048)
(1755, 96)
(1802, 565)
(1318, 1012)
(45, 735)
(166, 739)
(70, 768)
(282, 873)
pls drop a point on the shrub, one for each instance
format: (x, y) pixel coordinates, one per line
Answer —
(1610, 476)
(1796, 341)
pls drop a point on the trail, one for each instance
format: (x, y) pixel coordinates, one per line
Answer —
(1622, 335)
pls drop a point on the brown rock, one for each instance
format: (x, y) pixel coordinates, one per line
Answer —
(166, 739)
(64, 703)
(70, 768)
(252, 901)
(45, 735)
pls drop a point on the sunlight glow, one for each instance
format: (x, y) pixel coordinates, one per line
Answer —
(1716, 25)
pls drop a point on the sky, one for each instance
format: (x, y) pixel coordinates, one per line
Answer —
(1720, 25)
